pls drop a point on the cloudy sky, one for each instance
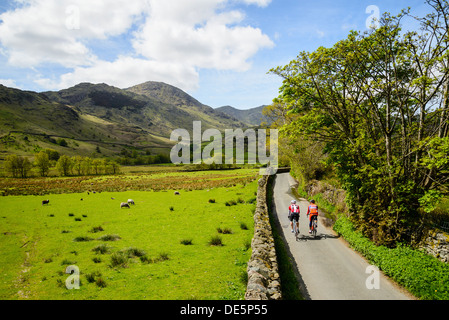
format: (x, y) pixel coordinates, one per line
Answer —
(219, 51)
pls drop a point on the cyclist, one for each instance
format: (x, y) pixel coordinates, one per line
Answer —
(312, 213)
(293, 214)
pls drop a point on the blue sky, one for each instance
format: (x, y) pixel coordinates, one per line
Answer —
(219, 51)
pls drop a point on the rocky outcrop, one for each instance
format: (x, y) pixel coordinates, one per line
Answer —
(263, 273)
(328, 192)
(437, 245)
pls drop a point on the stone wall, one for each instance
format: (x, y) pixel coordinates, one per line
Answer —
(329, 193)
(263, 273)
(437, 245)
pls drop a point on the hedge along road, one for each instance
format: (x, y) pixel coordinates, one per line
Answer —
(328, 268)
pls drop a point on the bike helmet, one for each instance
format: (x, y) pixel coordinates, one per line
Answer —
(312, 201)
(293, 201)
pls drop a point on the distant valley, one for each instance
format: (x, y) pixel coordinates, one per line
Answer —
(88, 119)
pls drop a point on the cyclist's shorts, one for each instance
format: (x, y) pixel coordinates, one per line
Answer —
(294, 216)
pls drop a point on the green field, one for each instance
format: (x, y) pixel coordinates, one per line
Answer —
(163, 250)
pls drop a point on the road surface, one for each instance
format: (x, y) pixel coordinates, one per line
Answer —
(328, 268)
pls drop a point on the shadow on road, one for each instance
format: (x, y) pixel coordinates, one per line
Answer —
(319, 236)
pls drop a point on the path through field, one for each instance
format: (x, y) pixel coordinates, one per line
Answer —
(329, 269)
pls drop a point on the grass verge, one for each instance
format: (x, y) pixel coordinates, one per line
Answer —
(423, 275)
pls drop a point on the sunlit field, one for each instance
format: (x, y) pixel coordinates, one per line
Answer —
(194, 245)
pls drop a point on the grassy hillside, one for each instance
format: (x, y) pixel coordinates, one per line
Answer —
(99, 117)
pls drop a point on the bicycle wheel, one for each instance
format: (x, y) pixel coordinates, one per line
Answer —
(296, 231)
(315, 226)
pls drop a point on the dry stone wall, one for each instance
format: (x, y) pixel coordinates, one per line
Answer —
(263, 273)
(437, 245)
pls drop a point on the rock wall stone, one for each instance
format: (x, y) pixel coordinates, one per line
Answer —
(263, 273)
(437, 245)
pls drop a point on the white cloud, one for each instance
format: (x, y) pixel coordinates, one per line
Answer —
(55, 31)
(8, 83)
(126, 72)
(260, 3)
(171, 39)
(196, 34)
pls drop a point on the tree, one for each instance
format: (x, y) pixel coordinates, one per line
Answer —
(64, 165)
(12, 166)
(97, 166)
(378, 101)
(53, 155)
(17, 166)
(42, 162)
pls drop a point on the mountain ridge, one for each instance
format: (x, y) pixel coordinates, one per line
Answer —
(92, 116)
(251, 117)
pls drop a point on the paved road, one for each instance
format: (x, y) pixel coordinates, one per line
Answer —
(328, 268)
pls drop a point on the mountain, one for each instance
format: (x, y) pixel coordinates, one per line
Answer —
(99, 117)
(193, 109)
(252, 117)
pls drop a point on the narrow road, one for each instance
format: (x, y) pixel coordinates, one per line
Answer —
(328, 268)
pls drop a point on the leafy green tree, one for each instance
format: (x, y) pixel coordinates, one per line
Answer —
(64, 165)
(17, 167)
(42, 162)
(378, 102)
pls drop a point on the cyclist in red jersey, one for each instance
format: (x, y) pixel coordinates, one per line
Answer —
(312, 213)
(293, 214)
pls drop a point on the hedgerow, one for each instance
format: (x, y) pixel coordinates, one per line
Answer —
(424, 276)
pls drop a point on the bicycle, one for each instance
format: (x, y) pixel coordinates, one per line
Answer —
(296, 229)
(314, 227)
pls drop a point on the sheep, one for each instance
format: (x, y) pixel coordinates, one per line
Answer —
(45, 202)
(131, 201)
(124, 205)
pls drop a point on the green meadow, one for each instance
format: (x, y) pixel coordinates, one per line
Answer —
(195, 245)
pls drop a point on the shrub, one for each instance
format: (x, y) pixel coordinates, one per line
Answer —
(97, 229)
(119, 259)
(90, 277)
(100, 282)
(67, 262)
(82, 239)
(243, 226)
(224, 231)
(230, 203)
(101, 249)
(134, 252)
(252, 200)
(96, 260)
(216, 241)
(110, 237)
(163, 257)
(187, 242)
(211, 200)
(421, 274)
(145, 259)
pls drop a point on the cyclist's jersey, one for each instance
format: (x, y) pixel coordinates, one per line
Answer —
(294, 208)
(312, 210)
